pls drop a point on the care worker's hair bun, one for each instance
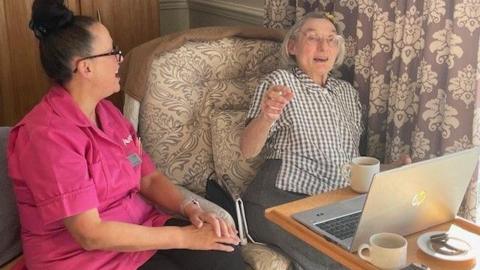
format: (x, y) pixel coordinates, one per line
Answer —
(62, 37)
(49, 16)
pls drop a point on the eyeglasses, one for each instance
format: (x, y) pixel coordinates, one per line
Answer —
(313, 39)
(115, 51)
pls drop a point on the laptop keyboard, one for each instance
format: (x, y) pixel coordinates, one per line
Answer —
(342, 227)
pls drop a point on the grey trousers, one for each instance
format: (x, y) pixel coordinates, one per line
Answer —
(262, 194)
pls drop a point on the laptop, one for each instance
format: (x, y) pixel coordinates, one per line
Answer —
(404, 200)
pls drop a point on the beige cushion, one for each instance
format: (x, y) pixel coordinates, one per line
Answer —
(184, 86)
(261, 257)
(227, 127)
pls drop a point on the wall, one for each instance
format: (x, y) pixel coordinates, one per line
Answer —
(252, 3)
(174, 16)
(178, 15)
(225, 12)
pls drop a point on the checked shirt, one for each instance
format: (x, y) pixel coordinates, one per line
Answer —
(317, 134)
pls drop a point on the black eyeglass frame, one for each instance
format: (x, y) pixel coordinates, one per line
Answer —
(115, 51)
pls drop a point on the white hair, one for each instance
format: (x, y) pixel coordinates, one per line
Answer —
(292, 33)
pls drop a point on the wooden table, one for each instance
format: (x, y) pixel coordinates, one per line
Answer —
(281, 215)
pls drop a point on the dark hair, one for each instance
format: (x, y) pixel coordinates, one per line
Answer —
(61, 36)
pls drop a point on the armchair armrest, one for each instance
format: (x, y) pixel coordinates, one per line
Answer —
(207, 205)
(131, 110)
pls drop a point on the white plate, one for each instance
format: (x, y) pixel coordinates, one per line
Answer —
(423, 243)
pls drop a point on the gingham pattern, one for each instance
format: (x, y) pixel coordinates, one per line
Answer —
(317, 134)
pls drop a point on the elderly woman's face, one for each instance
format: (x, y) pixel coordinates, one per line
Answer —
(315, 47)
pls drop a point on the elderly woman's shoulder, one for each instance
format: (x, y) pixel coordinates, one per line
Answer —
(281, 73)
(345, 86)
(341, 82)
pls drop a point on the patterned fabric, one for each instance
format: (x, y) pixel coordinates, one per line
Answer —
(416, 66)
(184, 86)
(227, 127)
(317, 134)
(255, 260)
(271, 260)
(207, 205)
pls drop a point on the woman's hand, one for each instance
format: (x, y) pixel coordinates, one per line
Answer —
(205, 238)
(256, 132)
(403, 160)
(274, 100)
(198, 217)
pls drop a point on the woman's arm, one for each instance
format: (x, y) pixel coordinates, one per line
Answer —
(92, 233)
(159, 189)
(256, 132)
(255, 135)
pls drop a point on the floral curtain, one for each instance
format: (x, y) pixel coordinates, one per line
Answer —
(416, 65)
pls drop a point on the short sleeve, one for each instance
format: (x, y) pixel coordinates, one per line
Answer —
(357, 108)
(148, 166)
(53, 165)
(255, 104)
(361, 124)
(361, 111)
(356, 112)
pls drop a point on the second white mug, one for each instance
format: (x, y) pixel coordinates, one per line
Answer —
(386, 251)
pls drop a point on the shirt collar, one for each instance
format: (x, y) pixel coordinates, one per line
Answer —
(62, 103)
(330, 85)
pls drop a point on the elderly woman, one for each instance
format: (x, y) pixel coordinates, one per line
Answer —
(308, 125)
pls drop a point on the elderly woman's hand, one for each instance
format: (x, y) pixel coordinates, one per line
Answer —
(275, 99)
(222, 228)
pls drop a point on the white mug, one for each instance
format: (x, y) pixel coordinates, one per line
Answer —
(386, 251)
(362, 171)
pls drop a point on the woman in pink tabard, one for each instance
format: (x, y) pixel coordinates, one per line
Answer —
(86, 192)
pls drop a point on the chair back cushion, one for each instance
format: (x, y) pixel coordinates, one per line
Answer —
(10, 245)
(227, 127)
(185, 86)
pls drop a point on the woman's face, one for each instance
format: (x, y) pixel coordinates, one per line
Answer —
(315, 47)
(104, 69)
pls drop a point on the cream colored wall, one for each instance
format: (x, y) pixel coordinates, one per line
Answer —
(225, 12)
(174, 16)
(251, 3)
(179, 15)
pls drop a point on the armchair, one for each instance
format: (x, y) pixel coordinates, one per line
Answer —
(187, 95)
(10, 244)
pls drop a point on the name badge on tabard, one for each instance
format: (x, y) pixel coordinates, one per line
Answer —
(134, 159)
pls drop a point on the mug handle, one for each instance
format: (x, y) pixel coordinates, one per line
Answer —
(360, 252)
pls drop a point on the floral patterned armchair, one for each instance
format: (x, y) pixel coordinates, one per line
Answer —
(188, 94)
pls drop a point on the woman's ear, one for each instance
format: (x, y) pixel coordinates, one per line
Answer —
(291, 47)
(83, 68)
